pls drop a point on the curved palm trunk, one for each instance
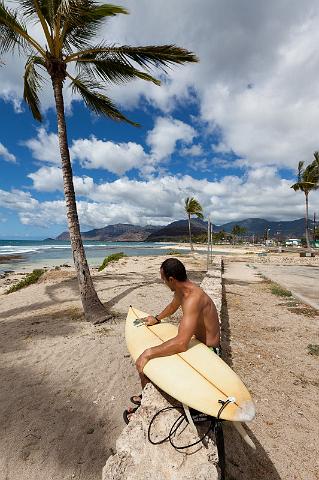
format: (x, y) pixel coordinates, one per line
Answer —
(190, 232)
(307, 215)
(94, 310)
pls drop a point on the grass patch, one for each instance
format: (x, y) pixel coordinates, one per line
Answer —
(313, 349)
(174, 252)
(31, 278)
(306, 311)
(280, 291)
(111, 258)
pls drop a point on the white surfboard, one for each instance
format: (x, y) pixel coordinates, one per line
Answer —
(197, 378)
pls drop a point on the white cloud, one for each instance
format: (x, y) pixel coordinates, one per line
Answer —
(261, 193)
(118, 158)
(49, 179)
(165, 134)
(6, 155)
(45, 147)
(193, 151)
(17, 200)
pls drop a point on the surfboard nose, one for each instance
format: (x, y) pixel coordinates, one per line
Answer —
(246, 412)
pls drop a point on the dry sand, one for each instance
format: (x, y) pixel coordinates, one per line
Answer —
(65, 383)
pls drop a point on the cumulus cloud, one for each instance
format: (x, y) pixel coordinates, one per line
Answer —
(260, 193)
(256, 81)
(49, 179)
(6, 155)
(165, 135)
(45, 147)
(118, 158)
(193, 151)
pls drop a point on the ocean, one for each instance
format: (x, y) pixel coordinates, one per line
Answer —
(39, 254)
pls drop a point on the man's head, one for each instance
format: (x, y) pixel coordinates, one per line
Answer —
(173, 271)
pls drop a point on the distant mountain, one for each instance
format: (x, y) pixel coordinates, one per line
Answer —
(121, 232)
(258, 226)
(177, 230)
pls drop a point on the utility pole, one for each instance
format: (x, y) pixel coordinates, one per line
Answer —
(208, 241)
(211, 243)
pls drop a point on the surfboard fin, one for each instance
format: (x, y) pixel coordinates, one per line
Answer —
(242, 432)
(189, 418)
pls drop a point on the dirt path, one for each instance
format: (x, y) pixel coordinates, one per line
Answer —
(265, 341)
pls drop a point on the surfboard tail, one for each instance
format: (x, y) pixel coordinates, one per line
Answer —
(246, 412)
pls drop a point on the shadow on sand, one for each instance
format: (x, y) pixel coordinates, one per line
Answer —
(242, 463)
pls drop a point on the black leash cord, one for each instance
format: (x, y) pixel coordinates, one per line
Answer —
(176, 425)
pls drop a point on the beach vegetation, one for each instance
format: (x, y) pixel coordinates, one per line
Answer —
(192, 207)
(313, 349)
(279, 290)
(174, 252)
(115, 257)
(307, 180)
(31, 278)
(70, 53)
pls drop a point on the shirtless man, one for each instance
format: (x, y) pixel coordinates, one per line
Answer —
(200, 319)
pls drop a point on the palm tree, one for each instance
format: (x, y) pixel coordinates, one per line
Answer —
(238, 231)
(192, 207)
(69, 27)
(308, 180)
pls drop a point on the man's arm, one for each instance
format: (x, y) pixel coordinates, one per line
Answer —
(169, 310)
(177, 344)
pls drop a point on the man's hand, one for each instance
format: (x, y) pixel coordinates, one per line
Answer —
(149, 321)
(142, 361)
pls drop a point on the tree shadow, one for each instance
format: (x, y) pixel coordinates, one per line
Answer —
(50, 430)
(242, 463)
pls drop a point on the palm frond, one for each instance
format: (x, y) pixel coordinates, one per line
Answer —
(112, 71)
(10, 30)
(32, 83)
(159, 56)
(193, 207)
(13, 32)
(96, 101)
(81, 20)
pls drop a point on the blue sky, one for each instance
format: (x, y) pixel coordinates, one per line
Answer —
(229, 131)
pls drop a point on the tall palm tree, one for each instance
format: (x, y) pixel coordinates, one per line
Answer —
(69, 28)
(308, 180)
(238, 231)
(192, 207)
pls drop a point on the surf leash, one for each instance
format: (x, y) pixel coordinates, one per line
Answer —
(197, 418)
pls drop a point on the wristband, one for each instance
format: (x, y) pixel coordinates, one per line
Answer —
(158, 320)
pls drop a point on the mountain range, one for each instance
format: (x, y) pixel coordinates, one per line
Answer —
(178, 230)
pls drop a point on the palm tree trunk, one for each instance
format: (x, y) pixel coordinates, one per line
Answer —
(190, 232)
(94, 310)
(307, 215)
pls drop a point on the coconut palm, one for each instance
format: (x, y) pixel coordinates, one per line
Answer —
(308, 180)
(192, 207)
(69, 28)
(238, 231)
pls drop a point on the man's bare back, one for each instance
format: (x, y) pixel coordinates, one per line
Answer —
(207, 323)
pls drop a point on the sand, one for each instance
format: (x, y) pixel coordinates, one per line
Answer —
(65, 383)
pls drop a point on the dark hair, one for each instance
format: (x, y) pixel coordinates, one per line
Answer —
(172, 267)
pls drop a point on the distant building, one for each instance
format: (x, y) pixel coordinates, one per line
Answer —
(293, 242)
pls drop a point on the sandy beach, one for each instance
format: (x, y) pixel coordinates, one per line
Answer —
(65, 383)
